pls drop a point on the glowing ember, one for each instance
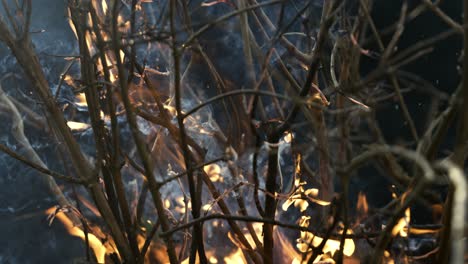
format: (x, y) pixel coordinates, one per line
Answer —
(300, 198)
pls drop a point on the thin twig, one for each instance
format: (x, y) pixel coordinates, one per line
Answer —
(39, 168)
(131, 118)
(456, 227)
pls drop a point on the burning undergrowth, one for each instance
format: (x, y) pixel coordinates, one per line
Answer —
(224, 131)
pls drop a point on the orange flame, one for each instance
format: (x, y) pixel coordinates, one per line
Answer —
(401, 228)
(96, 245)
(362, 205)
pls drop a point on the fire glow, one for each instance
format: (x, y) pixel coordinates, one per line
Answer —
(308, 239)
(174, 178)
(301, 197)
(95, 244)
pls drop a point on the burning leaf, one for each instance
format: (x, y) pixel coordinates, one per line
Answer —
(331, 246)
(300, 198)
(308, 239)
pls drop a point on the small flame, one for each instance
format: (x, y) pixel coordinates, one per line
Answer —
(362, 207)
(89, 43)
(211, 259)
(301, 198)
(122, 55)
(104, 6)
(214, 172)
(288, 137)
(112, 73)
(401, 227)
(180, 206)
(236, 257)
(362, 204)
(331, 246)
(423, 231)
(81, 100)
(77, 126)
(258, 228)
(68, 80)
(297, 170)
(95, 244)
(387, 256)
(125, 25)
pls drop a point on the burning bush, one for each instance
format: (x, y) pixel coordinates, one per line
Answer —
(235, 131)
